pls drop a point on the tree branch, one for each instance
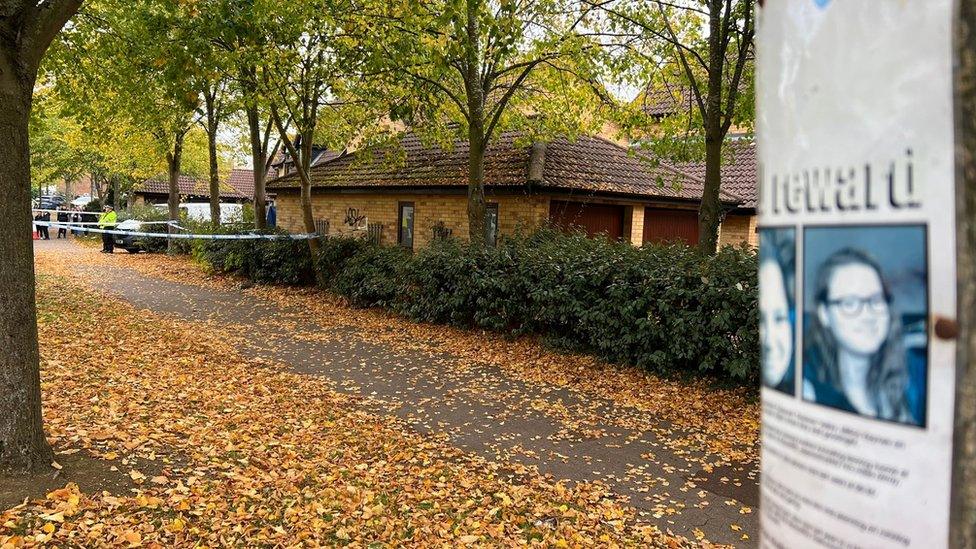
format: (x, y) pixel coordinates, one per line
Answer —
(46, 21)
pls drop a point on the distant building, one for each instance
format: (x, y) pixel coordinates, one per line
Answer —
(234, 189)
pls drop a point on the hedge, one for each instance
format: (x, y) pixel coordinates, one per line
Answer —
(286, 262)
(667, 309)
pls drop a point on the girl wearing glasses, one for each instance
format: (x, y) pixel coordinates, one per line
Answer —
(855, 357)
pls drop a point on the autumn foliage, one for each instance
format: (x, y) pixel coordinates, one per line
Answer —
(258, 456)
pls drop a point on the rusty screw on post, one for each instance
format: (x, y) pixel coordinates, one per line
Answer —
(946, 328)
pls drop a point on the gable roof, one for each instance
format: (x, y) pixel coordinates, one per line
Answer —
(740, 170)
(587, 164)
(188, 186)
(242, 181)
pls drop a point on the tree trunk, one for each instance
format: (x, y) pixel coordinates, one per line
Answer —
(258, 160)
(477, 211)
(963, 517)
(477, 140)
(710, 212)
(173, 160)
(303, 163)
(212, 124)
(307, 216)
(97, 188)
(116, 194)
(22, 443)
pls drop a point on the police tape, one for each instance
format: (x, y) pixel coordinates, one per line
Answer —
(90, 223)
(178, 236)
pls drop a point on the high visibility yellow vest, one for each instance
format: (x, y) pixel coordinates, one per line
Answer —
(107, 219)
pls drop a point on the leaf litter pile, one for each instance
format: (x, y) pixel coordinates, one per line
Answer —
(721, 423)
(244, 453)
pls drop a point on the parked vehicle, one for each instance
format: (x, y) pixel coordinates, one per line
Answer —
(82, 201)
(131, 243)
(50, 202)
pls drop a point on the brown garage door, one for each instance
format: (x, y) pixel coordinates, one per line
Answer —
(594, 219)
(664, 225)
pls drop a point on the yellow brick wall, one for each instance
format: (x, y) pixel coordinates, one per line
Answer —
(514, 212)
(429, 209)
(737, 229)
(634, 224)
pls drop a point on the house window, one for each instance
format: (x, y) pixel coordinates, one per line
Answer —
(405, 225)
(492, 223)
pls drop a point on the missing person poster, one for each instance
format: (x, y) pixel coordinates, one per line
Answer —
(857, 257)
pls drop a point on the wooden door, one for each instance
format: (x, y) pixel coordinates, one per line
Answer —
(667, 225)
(593, 219)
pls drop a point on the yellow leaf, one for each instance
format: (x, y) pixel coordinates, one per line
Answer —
(133, 538)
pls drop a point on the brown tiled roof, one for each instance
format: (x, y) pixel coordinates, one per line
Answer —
(666, 100)
(740, 171)
(242, 181)
(588, 164)
(594, 164)
(189, 186)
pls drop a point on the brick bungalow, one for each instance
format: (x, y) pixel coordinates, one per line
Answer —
(590, 184)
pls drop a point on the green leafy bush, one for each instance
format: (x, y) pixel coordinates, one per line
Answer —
(668, 309)
(370, 277)
(286, 262)
(334, 254)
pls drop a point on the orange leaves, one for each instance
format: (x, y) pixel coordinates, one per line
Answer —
(227, 451)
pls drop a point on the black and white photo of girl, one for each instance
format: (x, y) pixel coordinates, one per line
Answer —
(865, 343)
(777, 312)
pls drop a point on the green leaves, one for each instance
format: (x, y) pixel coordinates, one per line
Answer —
(443, 65)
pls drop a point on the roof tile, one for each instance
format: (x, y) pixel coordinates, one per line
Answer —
(587, 164)
(189, 186)
(740, 171)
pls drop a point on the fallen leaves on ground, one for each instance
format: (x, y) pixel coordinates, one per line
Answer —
(722, 423)
(247, 454)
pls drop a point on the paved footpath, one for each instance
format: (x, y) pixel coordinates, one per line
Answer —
(478, 409)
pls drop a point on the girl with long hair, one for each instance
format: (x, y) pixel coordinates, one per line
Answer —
(855, 357)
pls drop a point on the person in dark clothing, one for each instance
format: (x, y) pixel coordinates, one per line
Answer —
(42, 230)
(272, 219)
(63, 217)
